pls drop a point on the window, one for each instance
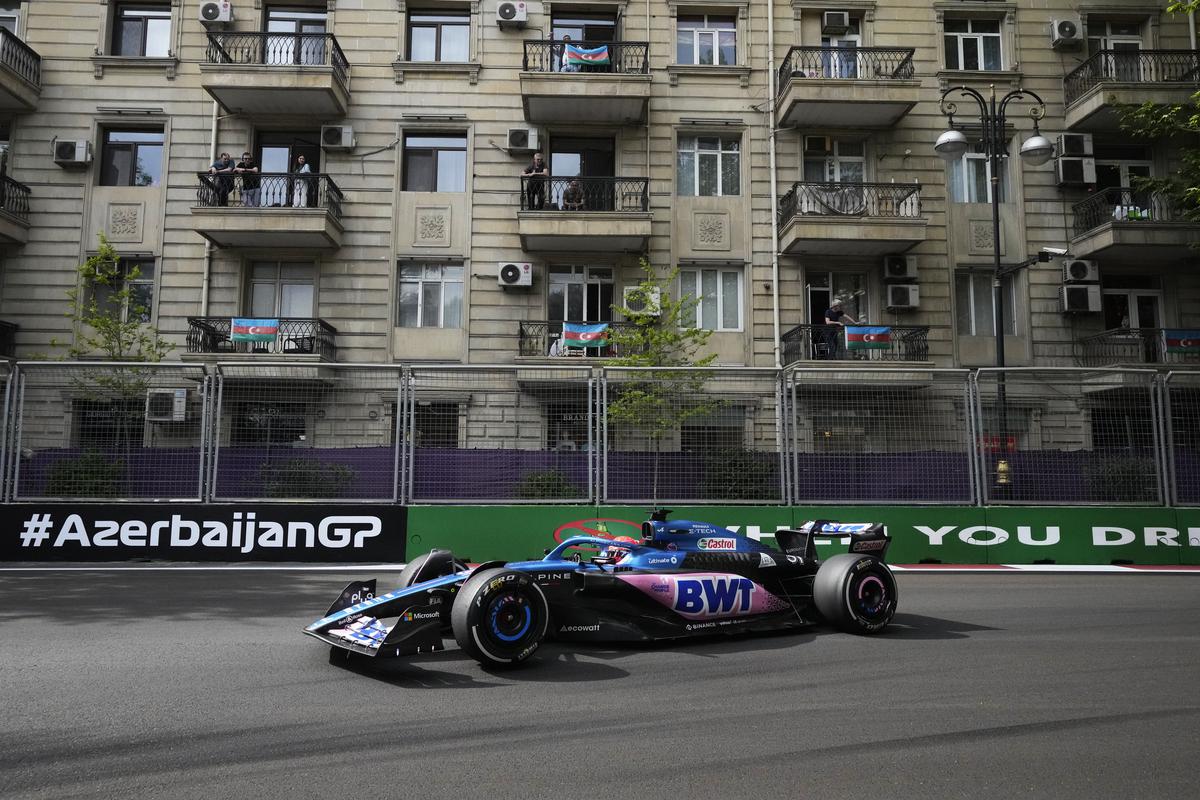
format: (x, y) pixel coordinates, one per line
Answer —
(719, 292)
(706, 39)
(277, 422)
(439, 36)
(131, 158)
(109, 425)
(138, 275)
(829, 160)
(580, 294)
(435, 162)
(142, 29)
(299, 36)
(970, 178)
(430, 296)
(721, 429)
(1131, 301)
(10, 15)
(972, 44)
(435, 424)
(281, 289)
(709, 166)
(1113, 35)
(973, 297)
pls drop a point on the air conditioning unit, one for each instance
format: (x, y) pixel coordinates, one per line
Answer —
(337, 137)
(1081, 299)
(902, 297)
(900, 268)
(1076, 270)
(1064, 34)
(512, 14)
(72, 153)
(522, 140)
(514, 273)
(835, 22)
(215, 12)
(1075, 171)
(1074, 144)
(166, 405)
(647, 304)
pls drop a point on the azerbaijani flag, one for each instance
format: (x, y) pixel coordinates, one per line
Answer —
(1182, 341)
(864, 338)
(576, 335)
(254, 330)
(586, 56)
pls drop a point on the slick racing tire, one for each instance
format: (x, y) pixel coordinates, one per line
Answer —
(409, 575)
(500, 617)
(855, 593)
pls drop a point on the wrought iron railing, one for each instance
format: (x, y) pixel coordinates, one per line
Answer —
(20, 58)
(847, 63)
(539, 338)
(8, 339)
(620, 58)
(270, 190)
(14, 198)
(888, 200)
(584, 194)
(279, 50)
(1132, 66)
(296, 336)
(828, 343)
(1125, 205)
(1131, 346)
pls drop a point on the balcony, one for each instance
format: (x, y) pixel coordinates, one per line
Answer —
(312, 339)
(273, 74)
(597, 215)
(20, 74)
(282, 211)
(14, 211)
(535, 339)
(1127, 224)
(907, 343)
(1125, 346)
(1097, 88)
(859, 219)
(834, 87)
(614, 89)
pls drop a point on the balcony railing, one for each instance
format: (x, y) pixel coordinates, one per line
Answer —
(1129, 346)
(847, 63)
(1125, 205)
(270, 190)
(886, 200)
(585, 194)
(620, 58)
(14, 197)
(828, 343)
(296, 336)
(1132, 66)
(536, 338)
(8, 339)
(280, 50)
(20, 58)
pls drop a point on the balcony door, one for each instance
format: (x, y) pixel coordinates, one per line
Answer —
(841, 57)
(580, 294)
(290, 48)
(1131, 301)
(828, 160)
(1124, 41)
(824, 287)
(583, 157)
(1117, 167)
(592, 28)
(282, 290)
(277, 154)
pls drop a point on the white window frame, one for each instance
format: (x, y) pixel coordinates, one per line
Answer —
(959, 183)
(714, 34)
(431, 274)
(970, 33)
(722, 153)
(11, 10)
(695, 317)
(832, 154)
(979, 281)
(139, 262)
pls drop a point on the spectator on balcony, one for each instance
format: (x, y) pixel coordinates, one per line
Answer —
(564, 66)
(250, 180)
(836, 320)
(300, 187)
(535, 183)
(223, 184)
(572, 199)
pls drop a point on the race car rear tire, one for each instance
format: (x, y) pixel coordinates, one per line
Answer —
(855, 593)
(500, 617)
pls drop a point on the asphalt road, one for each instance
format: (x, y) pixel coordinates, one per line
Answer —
(200, 685)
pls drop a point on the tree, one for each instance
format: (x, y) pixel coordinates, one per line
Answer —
(659, 400)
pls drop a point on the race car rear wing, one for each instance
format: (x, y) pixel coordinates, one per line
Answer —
(864, 537)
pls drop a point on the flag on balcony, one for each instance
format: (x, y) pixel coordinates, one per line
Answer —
(578, 335)
(253, 330)
(868, 338)
(1182, 341)
(586, 56)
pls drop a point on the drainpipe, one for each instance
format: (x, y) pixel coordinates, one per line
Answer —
(1192, 28)
(771, 78)
(208, 248)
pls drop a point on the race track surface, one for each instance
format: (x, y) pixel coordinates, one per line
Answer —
(200, 685)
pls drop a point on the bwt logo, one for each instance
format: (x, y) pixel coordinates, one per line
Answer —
(706, 597)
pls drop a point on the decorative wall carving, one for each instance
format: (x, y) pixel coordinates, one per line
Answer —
(710, 230)
(125, 222)
(431, 226)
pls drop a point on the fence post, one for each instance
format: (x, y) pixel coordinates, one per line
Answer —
(218, 409)
(399, 468)
(15, 442)
(979, 458)
(1170, 487)
(602, 432)
(5, 437)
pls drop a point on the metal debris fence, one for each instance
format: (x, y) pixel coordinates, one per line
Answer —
(283, 431)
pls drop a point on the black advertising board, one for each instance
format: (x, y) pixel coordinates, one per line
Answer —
(320, 533)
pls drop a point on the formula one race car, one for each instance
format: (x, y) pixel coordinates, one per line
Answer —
(683, 579)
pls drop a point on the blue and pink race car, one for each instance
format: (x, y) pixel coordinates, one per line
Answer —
(683, 579)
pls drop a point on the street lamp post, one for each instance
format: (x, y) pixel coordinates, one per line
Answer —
(1035, 151)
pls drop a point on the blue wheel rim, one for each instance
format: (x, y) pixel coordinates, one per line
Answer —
(510, 617)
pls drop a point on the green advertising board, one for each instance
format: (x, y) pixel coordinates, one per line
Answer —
(930, 534)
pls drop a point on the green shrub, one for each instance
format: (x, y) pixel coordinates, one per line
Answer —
(738, 474)
(547, 484)
(304, 477)
(1123, 479)
(92, 474)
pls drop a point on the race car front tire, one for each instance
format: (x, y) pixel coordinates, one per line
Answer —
(500, 617)
(855, 593)
(415, 571)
